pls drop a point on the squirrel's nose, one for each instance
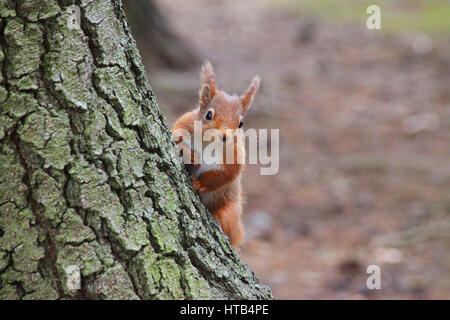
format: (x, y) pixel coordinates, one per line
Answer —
(224, 138)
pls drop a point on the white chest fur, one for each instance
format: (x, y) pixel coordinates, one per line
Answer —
(204, 167)
(208, 161)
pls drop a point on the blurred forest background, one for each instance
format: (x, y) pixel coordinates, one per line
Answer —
(364, 119)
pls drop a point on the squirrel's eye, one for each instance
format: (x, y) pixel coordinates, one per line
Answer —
(241, 124)
(209, 115)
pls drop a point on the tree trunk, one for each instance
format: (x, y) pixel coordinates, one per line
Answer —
(93, 202)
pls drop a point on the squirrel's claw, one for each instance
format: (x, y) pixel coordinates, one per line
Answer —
(195, 181)
(197, 185)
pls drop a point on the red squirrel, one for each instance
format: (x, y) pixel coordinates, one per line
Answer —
(219, 185)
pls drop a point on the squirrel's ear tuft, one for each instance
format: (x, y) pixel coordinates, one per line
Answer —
(207, 84)
(247, 98)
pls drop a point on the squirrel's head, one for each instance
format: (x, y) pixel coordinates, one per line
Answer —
(219, 110)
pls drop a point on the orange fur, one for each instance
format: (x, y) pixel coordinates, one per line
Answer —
(220, 188)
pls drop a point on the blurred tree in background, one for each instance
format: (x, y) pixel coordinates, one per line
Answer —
(156, 37)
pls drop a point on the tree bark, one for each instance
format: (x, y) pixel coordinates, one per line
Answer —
(94, 204)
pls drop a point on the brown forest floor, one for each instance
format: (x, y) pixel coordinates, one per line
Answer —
(364, 123)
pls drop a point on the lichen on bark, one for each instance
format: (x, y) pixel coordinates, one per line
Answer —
(93, 201)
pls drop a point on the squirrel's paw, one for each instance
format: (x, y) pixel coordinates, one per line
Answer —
(197, 185)
(194, 181)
